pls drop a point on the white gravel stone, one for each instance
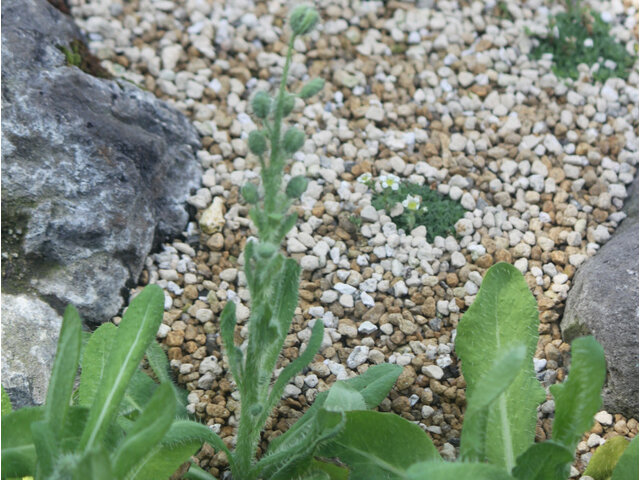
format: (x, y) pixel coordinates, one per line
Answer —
(309, 263)
(358, 356)
(329, 296)
(367, 328)
(400, 289)
(433, 371)
(458, 260)
(604, 418)
(369, 214)
(346, 301)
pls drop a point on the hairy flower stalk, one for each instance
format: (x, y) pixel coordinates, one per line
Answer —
(273, 280)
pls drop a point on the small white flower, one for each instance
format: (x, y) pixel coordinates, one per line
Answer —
(412, 202)
(390, 181)
(364, 178)
(588, 42)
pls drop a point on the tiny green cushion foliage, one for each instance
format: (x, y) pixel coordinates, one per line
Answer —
(583, 37)
(437, 212)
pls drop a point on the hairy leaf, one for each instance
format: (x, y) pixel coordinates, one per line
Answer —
(379, 445)
(227, 328)
(18, 449)
(503, 316)
(627, 466)
(183, 439)
(294, 367)
(18, 446)
(295, 457)
(458, 471)
(94, 360)
(373, 385)
(63, 373)
(495, 381)
(46, 447)
(343, 398)
(578, 398)
(606, 457)
(137, 330)
(138, 393)
(160, 365)
(544, 461)
(147, 431)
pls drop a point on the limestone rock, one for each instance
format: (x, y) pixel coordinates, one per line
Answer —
(94, 171)
(604, 302)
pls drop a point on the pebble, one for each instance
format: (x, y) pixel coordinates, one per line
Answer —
(433, 371)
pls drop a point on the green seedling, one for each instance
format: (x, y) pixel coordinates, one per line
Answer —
(583, 37)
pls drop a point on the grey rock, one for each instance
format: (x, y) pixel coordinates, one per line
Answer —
(94, 171)
(30, 330)
(604, 302)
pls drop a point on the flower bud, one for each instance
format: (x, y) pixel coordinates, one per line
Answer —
(296, 186)
(303, 19)
(257, 142)
(288, 103)
(261, 104)
(250, 193)
(265, 250)
(311, 88)
(293, 140)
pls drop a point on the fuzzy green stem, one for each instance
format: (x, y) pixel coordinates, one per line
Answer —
(272, 176)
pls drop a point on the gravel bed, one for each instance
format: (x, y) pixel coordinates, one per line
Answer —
(444, 96)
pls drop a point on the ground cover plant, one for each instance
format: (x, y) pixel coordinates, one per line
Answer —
(420, 205)
(580, 35)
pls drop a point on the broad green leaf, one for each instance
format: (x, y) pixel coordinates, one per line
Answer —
(627, 467)
(183, 439)
(495, 381)
(63, 373)
(295, 458)
(578, 398)
(46, 447)
(343, 398)
(137, 330)
(379, 445)
(503, 316)
(373, 385)
(6, 402)
(18, 449)
(94, 360)
(458, 471)
(293, 368)
(544, 461)
(376, 382)
(227, 328)
(147, 431)
(606, 457)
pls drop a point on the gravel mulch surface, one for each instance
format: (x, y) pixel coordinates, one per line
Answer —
(444, 96)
